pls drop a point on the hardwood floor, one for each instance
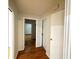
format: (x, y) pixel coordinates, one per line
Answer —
(31, 52)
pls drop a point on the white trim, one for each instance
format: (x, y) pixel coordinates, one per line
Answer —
(23, 34)
(66, 44)
(38, 33)
(11, 34)
(24, 30)
(29, 18)
(47, 55)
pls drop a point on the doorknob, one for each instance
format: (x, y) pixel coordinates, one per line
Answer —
(50, 39)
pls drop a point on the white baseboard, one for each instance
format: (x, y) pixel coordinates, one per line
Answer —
(48, 55)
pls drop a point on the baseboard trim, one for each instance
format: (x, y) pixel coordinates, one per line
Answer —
(47, 55)
(44, 49)
(19, 53)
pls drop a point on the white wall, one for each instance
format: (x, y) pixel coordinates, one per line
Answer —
(20, 34)
(46, 35)
(15, 35)
(38, 33)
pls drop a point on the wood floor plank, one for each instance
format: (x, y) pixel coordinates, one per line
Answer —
(31, 52)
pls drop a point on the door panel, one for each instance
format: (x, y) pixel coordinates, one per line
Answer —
(56, 44)
(57, 35)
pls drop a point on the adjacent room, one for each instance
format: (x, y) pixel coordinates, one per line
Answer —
(30, 34)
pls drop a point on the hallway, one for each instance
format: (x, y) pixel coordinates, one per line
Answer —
(45, 37)
(31, 52)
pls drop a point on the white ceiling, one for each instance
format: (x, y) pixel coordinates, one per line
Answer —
(38, 7)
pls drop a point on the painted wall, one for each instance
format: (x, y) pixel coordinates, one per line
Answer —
(15, 35)
(16, 18)
(46, 35)
(38, 33)
(20, 34)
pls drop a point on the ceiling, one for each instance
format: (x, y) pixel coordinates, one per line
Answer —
(38, 7)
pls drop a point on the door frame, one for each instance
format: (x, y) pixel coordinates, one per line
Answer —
(24, 29)
(11, 34)
(66, 44)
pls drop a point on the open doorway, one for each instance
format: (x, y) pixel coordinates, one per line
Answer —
(30, 34)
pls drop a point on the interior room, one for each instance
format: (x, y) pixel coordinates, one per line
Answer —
(30, 34)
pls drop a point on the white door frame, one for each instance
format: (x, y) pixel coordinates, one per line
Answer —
(11, 33)
(66, 45)
(23, 31)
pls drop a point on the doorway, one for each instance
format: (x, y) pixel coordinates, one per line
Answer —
(30, 34)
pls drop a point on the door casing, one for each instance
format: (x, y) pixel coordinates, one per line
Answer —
(38, 44)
